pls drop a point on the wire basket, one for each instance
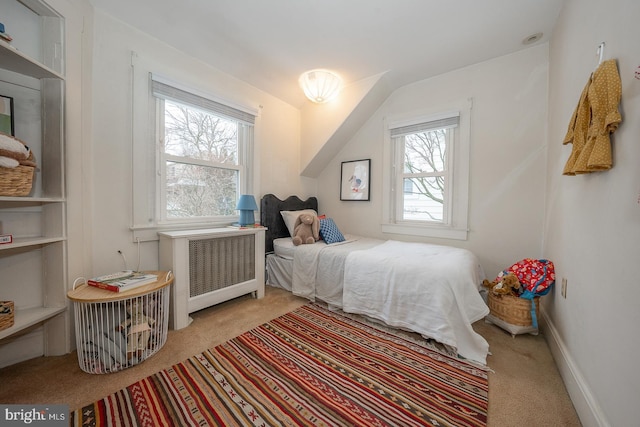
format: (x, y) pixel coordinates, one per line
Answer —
(16, 181)
(511, 309)
(6, 314)
(107, 337)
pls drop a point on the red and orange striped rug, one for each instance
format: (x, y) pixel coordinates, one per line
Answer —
(310, 367)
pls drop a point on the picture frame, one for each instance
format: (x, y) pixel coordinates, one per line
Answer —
(6, 115)
(355, 180)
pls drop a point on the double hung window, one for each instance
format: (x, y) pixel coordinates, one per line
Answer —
(204, 156)
(424, 170)
(427, 176)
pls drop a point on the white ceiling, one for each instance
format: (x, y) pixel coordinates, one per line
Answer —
(269, 43)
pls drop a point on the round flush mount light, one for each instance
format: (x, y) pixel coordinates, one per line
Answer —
(320, 85)
(532, 38)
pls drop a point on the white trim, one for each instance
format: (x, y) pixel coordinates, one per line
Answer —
(459, 203)
(186, 88)
(399, 122)
(147, 160)
(421, 230)
(585, 403)
(149, 233)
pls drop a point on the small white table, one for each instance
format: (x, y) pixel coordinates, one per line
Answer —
(101, 347)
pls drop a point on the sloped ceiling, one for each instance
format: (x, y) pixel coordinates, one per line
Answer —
(269, 43)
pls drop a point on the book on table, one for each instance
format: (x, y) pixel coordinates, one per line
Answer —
(122, 280)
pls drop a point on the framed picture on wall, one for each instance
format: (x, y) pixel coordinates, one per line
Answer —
(6, 115)
(355, 180)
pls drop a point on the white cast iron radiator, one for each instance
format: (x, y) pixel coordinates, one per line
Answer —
(211, 266)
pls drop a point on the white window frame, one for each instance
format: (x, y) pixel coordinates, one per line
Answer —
(455, 221)
(243, 167)
(163, 91)
(148, 158)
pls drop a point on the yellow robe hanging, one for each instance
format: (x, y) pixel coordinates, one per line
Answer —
(594, 119)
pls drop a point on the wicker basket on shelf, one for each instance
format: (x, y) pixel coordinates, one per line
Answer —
(512, 309)
(6, 314)
(16, 181)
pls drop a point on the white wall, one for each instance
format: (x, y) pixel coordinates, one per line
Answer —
(592, 229)
(508, 134)
(591, 224)
(277, 135)
(78, 128)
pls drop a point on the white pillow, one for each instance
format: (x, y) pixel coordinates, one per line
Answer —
(290, 217)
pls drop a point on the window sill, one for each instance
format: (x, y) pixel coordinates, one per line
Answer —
(147, 233)
(421, 230)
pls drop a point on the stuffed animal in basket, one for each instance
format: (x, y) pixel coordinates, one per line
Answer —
(306, 229)
(138, 328)
(507, 284)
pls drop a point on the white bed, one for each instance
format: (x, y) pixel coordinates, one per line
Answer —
(429, 289)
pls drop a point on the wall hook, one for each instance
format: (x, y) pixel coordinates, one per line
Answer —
(600, 52)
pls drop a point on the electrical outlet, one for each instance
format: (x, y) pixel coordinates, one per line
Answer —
(564, 287)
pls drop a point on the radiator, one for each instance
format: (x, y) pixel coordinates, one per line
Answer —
(211, 266)
(219, 263)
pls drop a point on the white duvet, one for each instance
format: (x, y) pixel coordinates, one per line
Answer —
(429, 289)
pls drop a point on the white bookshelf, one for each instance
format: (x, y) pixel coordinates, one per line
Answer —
(33, 269)
(14, 60)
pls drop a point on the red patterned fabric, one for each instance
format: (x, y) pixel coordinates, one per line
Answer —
(535, 275)
(310, 367)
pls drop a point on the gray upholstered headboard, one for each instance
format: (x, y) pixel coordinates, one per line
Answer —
(270, 207)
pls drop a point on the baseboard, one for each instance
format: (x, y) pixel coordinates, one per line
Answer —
(584, 401)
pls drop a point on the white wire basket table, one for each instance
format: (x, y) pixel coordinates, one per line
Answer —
(107, 339)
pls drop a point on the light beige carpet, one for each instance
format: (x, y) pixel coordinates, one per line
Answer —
(525, 388)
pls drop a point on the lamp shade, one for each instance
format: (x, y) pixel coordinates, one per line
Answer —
(320, 85)
(246, 205)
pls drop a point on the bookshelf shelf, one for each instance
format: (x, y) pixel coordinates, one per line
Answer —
(25, 318)
(34, 266)
(14, 60)
(27, 242)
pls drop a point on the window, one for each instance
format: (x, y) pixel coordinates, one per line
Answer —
(423, 171)
(427, 175)
(204, 156)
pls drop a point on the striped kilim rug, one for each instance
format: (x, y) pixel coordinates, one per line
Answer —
(310, 367)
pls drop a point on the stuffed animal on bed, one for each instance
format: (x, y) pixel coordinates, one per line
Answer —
(138, 328)
(306, 229)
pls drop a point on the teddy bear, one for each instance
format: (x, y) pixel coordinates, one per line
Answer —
(138, 327)
(504, 284)
(306, 229)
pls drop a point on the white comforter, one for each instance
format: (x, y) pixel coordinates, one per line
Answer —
(429, 289)
(318, 269)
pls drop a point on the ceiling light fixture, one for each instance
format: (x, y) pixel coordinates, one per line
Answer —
(320, 85)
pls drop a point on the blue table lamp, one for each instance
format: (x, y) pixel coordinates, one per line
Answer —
(246, 206)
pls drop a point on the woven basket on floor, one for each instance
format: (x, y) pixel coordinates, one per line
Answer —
(6, 314)
(16, 181)
(512, 309)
